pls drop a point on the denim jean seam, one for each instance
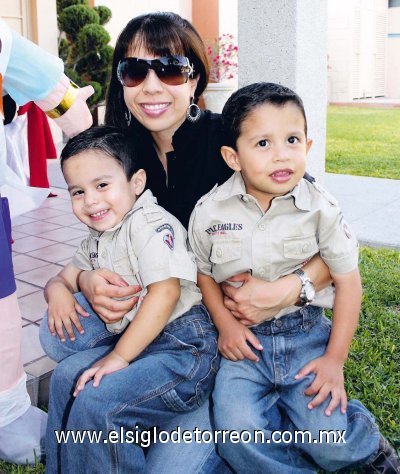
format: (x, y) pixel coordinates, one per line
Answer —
(100, 337)
(145, 398)
(371, 428)
(197, 396)
(370, 425)
(181, 322)
(161, 390)
(192, 315)
(177, 342)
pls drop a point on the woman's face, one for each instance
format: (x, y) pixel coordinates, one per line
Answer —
(159, 107)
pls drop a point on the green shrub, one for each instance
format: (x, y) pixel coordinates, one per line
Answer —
(92, 38)
(83, 45)
(61, 4)
(104, 13)
(74, 18)
(98, 93)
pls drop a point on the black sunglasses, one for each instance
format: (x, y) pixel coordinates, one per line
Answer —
(171, 70)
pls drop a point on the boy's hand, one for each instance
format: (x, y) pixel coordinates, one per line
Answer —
(232, 342)
(107, 365)
(328, 380)
(63, 311)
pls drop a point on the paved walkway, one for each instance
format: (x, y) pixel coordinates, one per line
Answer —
(46, 238)
(371, 206)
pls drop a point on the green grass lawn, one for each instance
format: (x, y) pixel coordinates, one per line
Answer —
(363, 141)
(373, 369)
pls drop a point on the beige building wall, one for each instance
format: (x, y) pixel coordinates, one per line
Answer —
(357, 42)
(393, 53)
(123, 11)
(15, 13)
(34, 19)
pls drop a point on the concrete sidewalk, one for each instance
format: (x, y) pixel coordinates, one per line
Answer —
(371, 207)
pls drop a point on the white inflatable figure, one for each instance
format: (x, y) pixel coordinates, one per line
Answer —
(27, 73)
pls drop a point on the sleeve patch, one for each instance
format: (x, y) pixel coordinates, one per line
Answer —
(169, 236)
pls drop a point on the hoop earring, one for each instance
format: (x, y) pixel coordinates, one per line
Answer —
(193, 112)
(128, 117)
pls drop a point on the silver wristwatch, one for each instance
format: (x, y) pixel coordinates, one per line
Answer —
(307, 292)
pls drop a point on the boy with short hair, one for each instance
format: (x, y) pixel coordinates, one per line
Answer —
(269, 220)
(167, 350)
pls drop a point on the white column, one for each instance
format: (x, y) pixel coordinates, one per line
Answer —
(284, 41)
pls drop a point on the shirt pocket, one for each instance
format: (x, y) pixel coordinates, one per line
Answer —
(300, 247)
(225, 250)
(127, 267)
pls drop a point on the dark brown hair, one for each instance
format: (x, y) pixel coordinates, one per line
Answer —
(242, 102)
(162, 34)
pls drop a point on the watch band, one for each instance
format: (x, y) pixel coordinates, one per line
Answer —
(307, 291)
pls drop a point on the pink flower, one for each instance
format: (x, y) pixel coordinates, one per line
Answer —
(223, 53)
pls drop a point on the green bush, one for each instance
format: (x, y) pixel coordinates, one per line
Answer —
(63, 49)
(100, 61)
(104, 13)
(74, 76)
(83, 45)
(92, 38)
(98, 93)
(76, 17)
(61, 4)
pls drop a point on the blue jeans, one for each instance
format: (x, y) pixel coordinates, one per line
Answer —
(174, 374)
(288, 344)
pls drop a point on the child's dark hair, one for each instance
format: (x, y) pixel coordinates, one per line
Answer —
(242, 102)
(112, 141)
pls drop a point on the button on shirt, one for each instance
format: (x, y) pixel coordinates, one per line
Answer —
(230, 234)
(148, 246)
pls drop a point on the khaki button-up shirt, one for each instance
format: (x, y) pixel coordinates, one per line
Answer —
(149, 245)
(230, 234)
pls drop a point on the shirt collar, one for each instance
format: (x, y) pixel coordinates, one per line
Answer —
(235, 187)
(146, 198)
(301, 195)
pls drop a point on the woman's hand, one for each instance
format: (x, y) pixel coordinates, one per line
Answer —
(107, 365)
(101, 287)
(258, 300)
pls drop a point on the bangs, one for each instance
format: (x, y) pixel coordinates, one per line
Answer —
(158, 40)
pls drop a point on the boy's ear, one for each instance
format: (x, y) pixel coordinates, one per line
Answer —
(231, 158)
(309, 143)
(138, 180)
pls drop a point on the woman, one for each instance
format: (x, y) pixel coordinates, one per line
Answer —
(159, 70)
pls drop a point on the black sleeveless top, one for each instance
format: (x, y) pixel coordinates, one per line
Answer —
(194, 167)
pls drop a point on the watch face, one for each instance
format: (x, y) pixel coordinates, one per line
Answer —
(309, 291)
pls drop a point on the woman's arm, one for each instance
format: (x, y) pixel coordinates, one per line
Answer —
(101, 287)
(258, 300)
